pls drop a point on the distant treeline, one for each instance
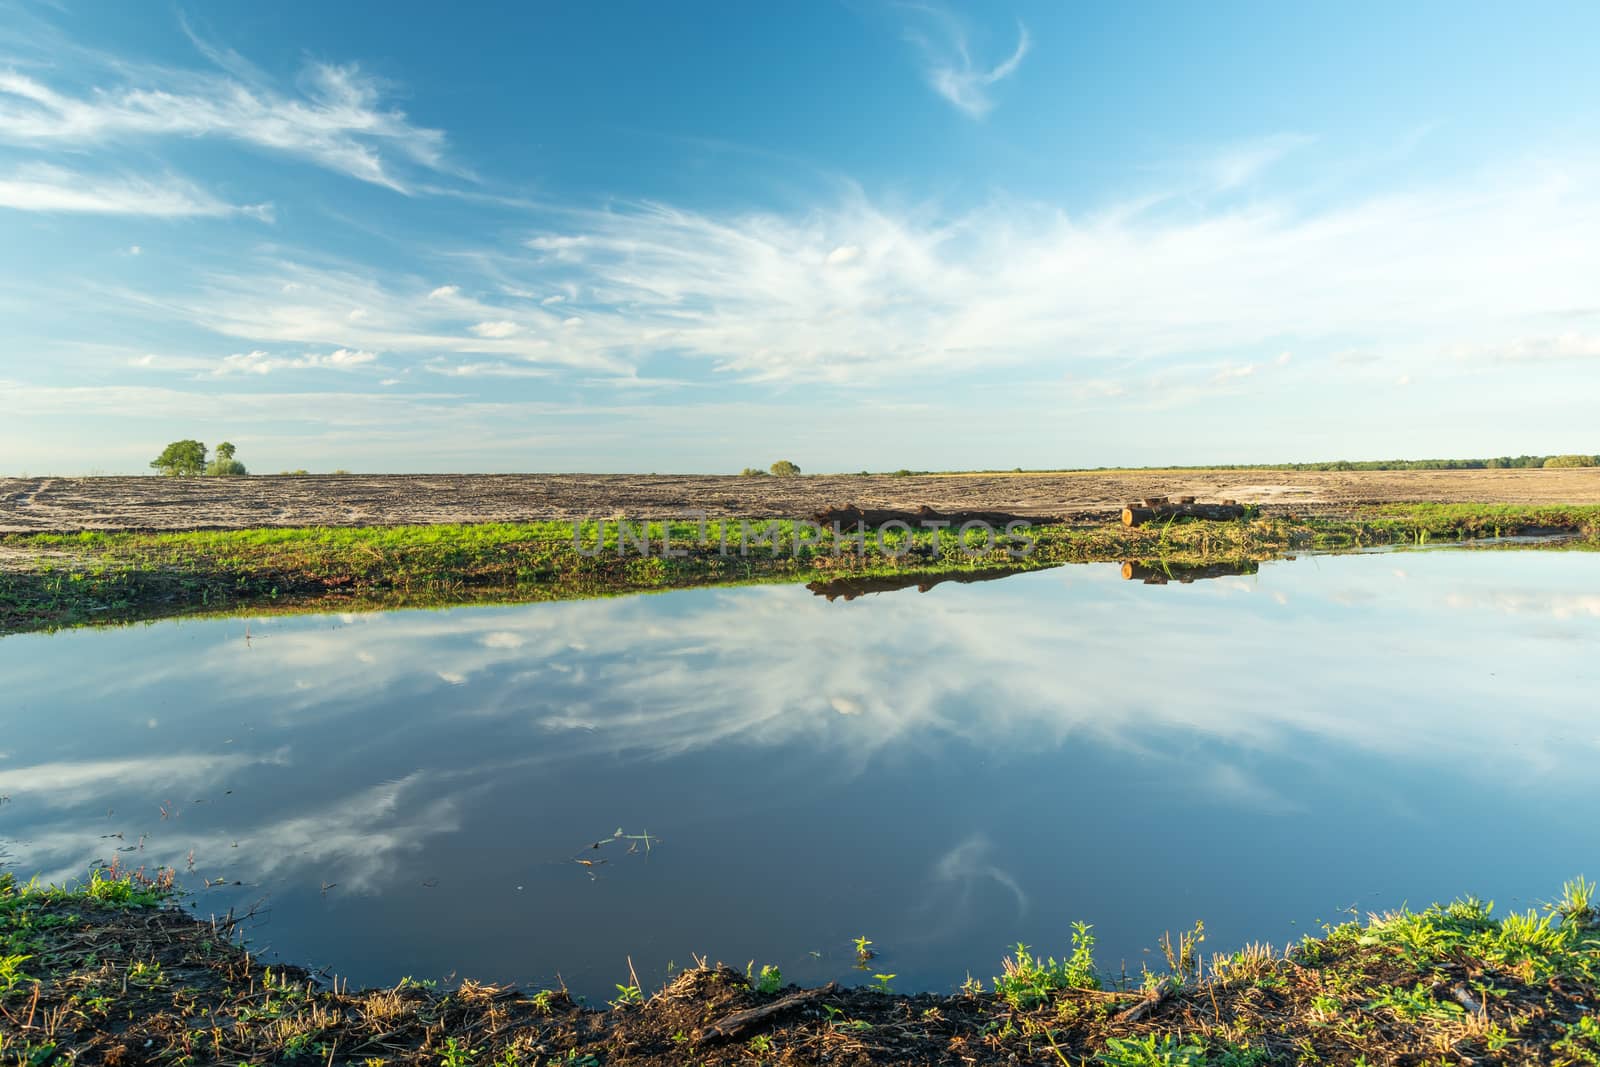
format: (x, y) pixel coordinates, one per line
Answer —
(1493, 463)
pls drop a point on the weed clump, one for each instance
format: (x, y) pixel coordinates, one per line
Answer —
(1029, 980)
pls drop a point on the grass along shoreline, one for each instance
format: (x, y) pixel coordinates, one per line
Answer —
(50, 581)
(112, 971)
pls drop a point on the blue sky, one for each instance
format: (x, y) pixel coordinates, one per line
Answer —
(648, 237)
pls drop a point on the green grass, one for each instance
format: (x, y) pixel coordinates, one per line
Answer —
(29, 911)
(57, 580)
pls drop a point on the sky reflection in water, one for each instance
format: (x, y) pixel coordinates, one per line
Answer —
(945, 773)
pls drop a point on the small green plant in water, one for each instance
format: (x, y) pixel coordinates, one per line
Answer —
(880, 982)
(863, 952)
(1577, 903)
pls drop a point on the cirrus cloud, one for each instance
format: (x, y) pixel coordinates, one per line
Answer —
(46, 188)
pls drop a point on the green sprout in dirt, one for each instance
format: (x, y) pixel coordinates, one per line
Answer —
(1030, 979)
(458, 1054)
(1149, 1051)
(11, 973)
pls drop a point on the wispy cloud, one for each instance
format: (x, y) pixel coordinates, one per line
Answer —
(337, 120)
(1546, 348)
(500, 328)
(855, 290)
(287, 303)
(1238, 164)
(483, 369)
(45, 188)
(952, 72)
(1165, 295)
(260, 362)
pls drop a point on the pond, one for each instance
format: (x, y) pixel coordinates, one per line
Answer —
(944, 772)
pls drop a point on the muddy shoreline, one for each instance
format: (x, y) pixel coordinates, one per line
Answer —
(111, 972)
(65, 505)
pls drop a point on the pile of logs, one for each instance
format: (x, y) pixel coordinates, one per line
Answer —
(1156, 508)
(850, 514)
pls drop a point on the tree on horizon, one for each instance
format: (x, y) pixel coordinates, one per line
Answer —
(181, 459)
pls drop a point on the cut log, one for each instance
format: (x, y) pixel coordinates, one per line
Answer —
(731, 1025)
(1215, 512)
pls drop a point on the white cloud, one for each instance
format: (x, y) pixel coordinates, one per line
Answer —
(262, 362)
(953, 76)
(1161, 291)
(563, 246)
(501, 328)
(1478, 259)
(55, 189)
(1233, 372)
(1539, 349)
(285, 303)
(344, 357)
(484, 369)
(338, 121)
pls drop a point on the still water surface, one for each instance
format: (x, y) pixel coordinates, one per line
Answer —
(943, 772)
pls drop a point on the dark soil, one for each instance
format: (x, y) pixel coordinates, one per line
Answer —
(154, 503)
